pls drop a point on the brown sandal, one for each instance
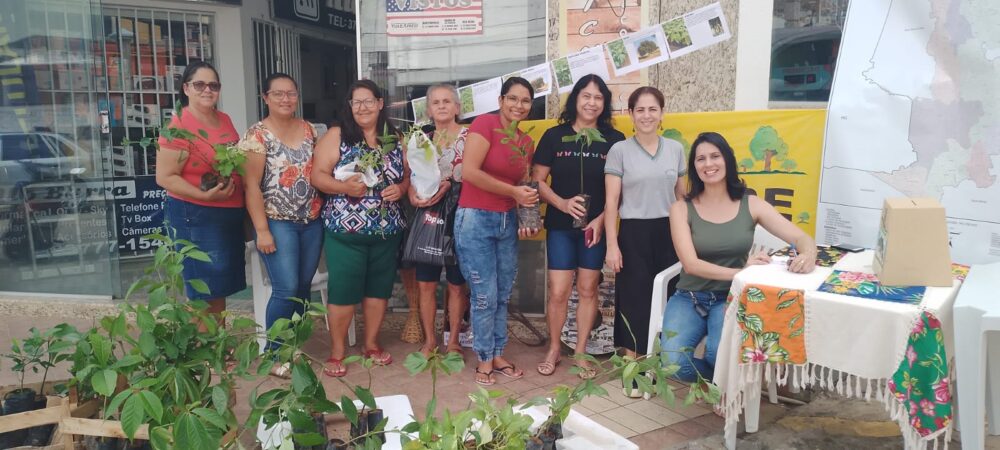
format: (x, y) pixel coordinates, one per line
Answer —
(547, 367)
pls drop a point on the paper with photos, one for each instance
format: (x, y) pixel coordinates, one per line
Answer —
(540, 77)
(696, 30)
(572, 67)
(635, 51)
(480, 98)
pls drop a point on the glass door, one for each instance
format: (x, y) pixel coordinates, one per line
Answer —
(57, 231)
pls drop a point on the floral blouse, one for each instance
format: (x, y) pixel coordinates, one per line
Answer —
(368, 214)
(288, 194)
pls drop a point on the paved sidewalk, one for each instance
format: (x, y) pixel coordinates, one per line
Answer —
(825, 423)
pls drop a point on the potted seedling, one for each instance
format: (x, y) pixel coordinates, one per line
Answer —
(527, 216)
(586, 137)
(40, 351)
(228, 158)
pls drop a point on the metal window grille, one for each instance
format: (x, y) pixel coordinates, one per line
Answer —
(146, 51)
(276, 49)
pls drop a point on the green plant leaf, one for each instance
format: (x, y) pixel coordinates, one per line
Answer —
(203, 133)
(152, 404)
(351, 411)
(104, 382)
(220, 398)
(199, 286)
(116, 402)
(365, 396)
(127, 361)
(415, 363)
(191, 434)
(199, 255)
(308, 439)
(212, 417)
(161, 439)
(132, 416)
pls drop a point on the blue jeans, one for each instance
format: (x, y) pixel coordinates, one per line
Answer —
(486, 242)
(692, 316)
(291, 267)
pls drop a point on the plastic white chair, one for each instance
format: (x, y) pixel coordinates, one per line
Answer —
(977, 324)
(262, 291)
(763, 240)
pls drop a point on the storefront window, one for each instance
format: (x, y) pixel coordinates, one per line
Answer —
(479, 40)
(511, 36)
(56, 202)
(804, 48)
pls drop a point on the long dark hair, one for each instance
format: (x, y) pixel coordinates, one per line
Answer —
(189, 72)
(350, 131)
(569, 112)
(734, 185)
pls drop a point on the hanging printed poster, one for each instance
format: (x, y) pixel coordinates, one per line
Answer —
(696, 30)
(643, 48)
(480, 98)
(574, 66)
(540, 77)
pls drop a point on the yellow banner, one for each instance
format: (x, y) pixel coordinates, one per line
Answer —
(778, 152)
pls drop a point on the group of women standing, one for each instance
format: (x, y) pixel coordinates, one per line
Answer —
(649, 206)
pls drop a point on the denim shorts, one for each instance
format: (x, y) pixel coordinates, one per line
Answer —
(432, 274)
(219, 233)
(567, 250)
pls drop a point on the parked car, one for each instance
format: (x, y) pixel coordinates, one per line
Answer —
(38, 156)
(802, 62)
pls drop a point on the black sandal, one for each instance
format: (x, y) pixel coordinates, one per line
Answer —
(490, 380)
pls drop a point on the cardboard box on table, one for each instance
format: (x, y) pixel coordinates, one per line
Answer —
(912, 247)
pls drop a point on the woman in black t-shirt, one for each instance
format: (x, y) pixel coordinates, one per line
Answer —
(575, 169)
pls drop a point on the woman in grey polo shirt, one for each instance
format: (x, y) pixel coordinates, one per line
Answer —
(643, 178)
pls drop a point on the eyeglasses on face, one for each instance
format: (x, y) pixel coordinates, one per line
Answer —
(514, 100)
(281, 95)
(199, 86)
(368, 103)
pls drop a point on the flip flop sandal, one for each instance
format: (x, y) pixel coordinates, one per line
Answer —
(490, 380)
(334, 373)
(283, 371)
(548, 367)
(586, 373)
(381, 357)
(509, 371)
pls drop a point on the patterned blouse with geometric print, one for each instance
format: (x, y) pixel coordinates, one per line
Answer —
(368, 214)
(288, 194)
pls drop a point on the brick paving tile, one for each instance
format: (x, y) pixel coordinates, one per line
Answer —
(657, 413)
(632, 419)
(614, 426)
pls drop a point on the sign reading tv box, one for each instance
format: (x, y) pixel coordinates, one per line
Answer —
(315, 12)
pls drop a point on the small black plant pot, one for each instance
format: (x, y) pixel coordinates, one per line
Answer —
(16, 402)
(101, 443)
(582, 221)
(554, 430)
(374, 417)
(209, 180)
(40, 435)
(336, 444)
(529, 216)
(534, 443)
(361, 428)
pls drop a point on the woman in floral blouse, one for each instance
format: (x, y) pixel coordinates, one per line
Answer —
(365, 178)
(283, 205)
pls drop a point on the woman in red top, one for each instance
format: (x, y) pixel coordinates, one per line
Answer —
(486, 228)
(211, 218)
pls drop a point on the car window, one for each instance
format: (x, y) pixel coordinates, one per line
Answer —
(19, 146)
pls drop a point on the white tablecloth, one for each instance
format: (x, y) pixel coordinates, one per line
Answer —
(864, 340)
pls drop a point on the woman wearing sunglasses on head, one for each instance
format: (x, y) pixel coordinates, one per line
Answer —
(283, 206)
(209, 214)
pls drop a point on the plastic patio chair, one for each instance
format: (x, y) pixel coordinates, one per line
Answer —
(262, 291)
(977, 325)
(763, 240)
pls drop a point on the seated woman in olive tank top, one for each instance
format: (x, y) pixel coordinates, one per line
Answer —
(713, 230)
